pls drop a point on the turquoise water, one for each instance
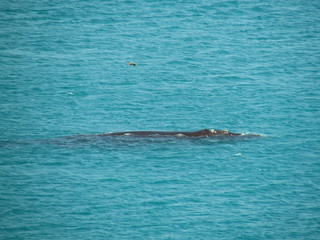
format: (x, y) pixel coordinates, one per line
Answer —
(245, 66)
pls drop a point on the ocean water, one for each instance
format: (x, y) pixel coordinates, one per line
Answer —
(247, 66)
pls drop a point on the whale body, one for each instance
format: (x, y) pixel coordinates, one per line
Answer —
(137, 136)
(200, 134)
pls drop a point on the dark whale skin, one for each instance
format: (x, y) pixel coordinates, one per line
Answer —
(200, 133)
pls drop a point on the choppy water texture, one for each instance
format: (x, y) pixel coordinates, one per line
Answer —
(246, 66)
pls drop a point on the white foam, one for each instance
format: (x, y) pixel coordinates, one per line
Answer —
(180, 135)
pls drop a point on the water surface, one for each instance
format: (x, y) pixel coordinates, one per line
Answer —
(245, 66)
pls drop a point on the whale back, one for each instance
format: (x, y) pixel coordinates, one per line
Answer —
(199, 133)
(210, 132)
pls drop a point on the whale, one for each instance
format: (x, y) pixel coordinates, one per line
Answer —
(204, 133)
(138, 136)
